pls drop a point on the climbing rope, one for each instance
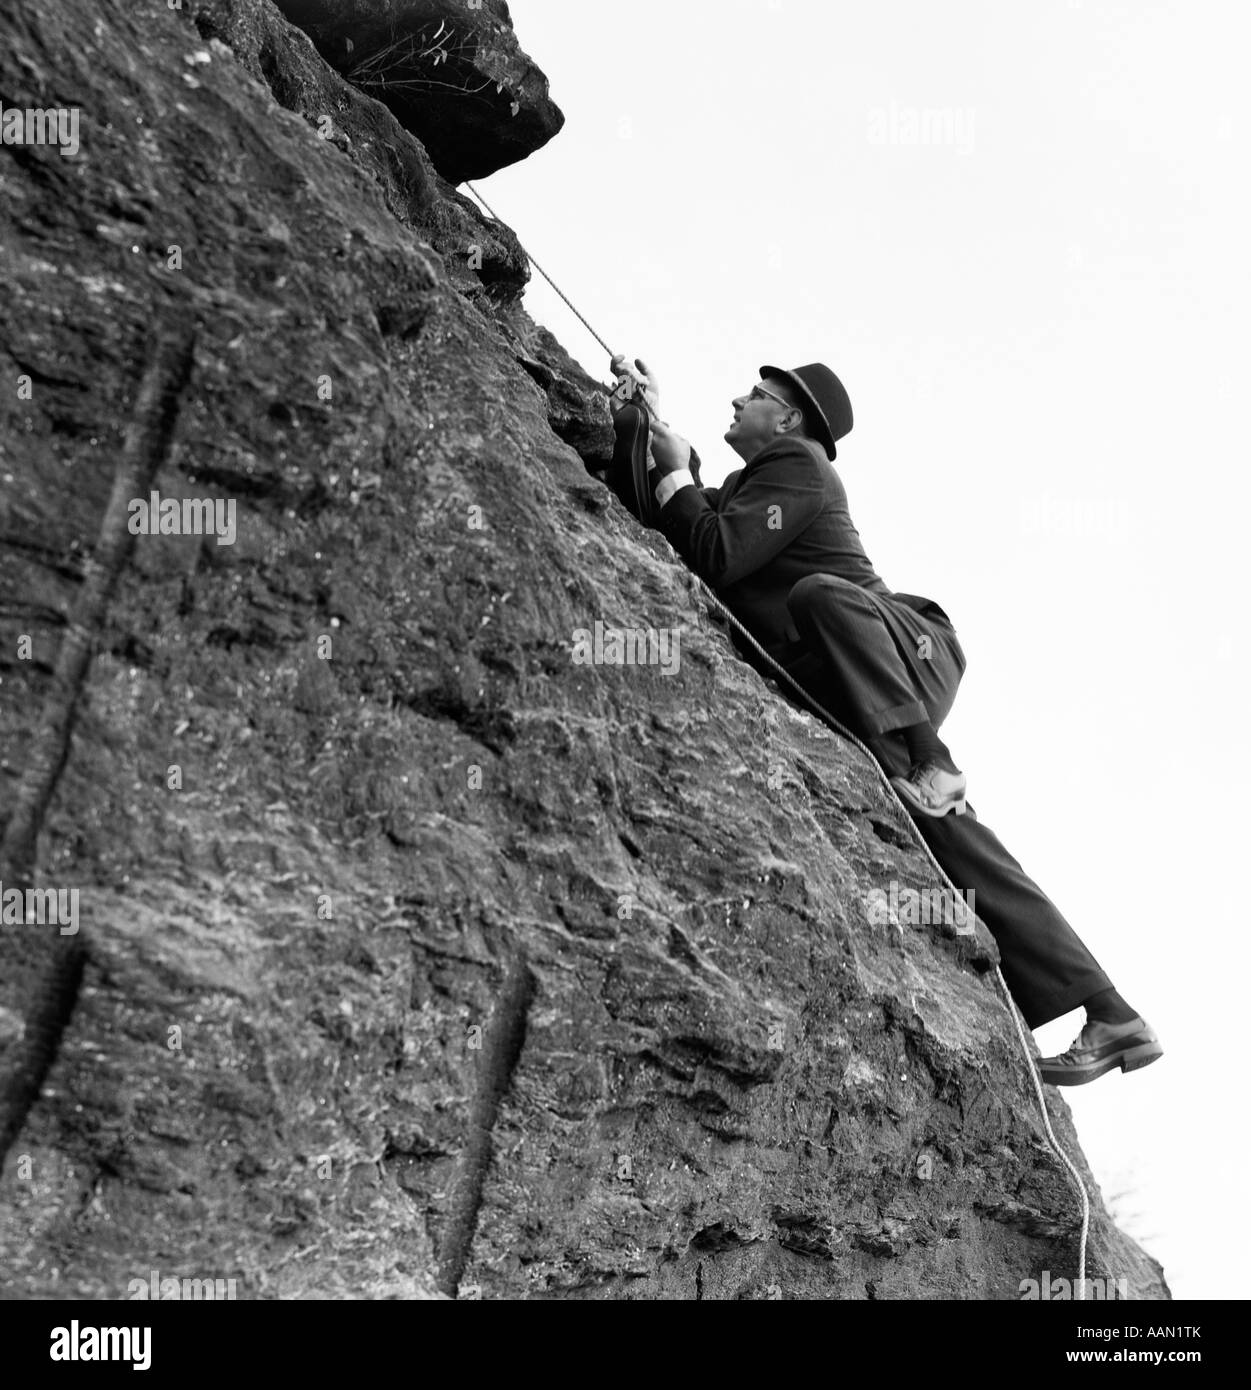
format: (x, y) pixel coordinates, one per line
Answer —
(822, 713)
(844, 733)
(572, 307)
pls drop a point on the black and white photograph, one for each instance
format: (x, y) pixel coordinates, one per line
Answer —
(615, 626)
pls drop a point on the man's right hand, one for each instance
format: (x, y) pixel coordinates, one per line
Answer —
(671, 452)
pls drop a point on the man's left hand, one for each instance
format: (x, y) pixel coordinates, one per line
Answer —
(637, 382)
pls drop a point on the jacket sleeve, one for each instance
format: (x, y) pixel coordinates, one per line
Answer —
(780, 495)
(711, 493)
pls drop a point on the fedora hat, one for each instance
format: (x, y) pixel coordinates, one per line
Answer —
(826, 403)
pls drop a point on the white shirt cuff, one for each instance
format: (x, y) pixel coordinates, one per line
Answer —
(675, 482)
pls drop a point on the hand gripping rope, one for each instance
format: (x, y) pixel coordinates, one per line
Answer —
(827, 718)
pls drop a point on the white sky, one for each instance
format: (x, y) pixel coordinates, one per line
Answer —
(1040, 305)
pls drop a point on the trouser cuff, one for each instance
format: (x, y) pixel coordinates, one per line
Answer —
(1042, 1006)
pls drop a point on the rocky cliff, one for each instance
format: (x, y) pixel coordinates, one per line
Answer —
(416, 958)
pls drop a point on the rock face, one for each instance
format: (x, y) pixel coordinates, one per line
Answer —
(451, 70)
(417, 959)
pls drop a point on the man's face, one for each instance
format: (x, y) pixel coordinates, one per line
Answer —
(758, 413)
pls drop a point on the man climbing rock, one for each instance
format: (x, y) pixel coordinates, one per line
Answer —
(776, 543)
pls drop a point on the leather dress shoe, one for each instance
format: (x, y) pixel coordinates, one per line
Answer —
(1099, 1048)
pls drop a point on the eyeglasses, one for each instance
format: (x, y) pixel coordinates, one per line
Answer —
(758, 393)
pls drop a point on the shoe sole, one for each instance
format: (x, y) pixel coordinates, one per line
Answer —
(1141, 1056)
(936, 813)
(1137, 1057)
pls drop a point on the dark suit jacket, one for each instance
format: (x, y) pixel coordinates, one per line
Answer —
(769, 525)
